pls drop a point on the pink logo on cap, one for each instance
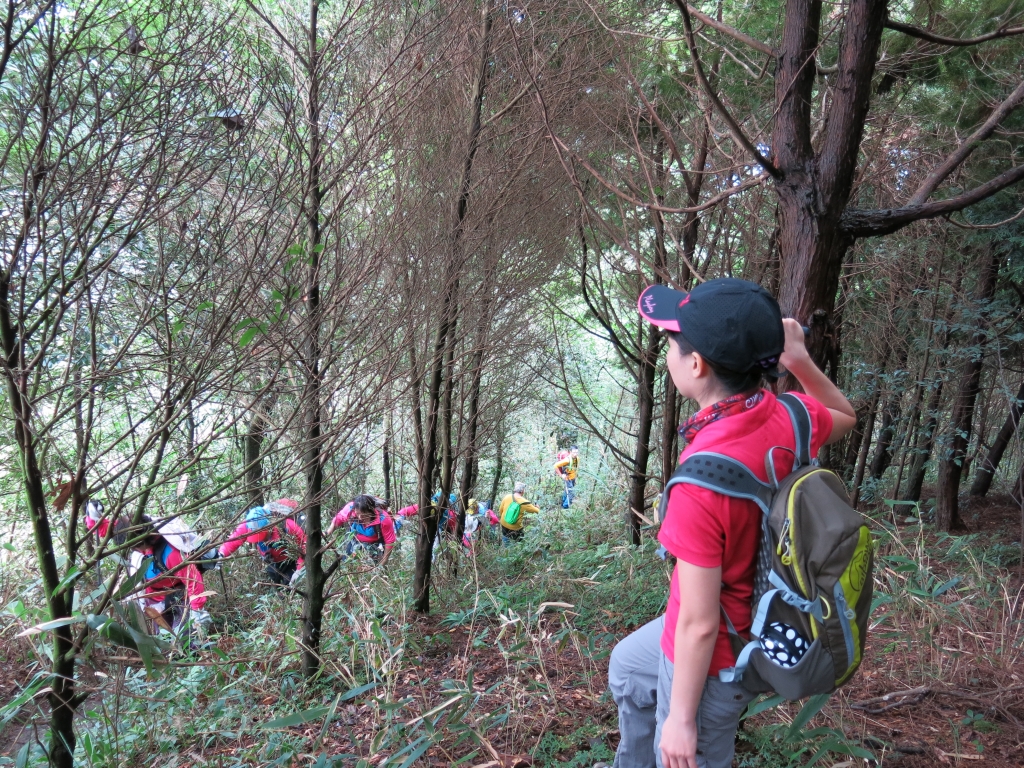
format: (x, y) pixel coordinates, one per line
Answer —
(649, 304)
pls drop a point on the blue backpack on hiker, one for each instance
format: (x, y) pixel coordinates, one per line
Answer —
(373, 530)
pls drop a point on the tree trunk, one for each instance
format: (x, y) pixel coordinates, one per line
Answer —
(62, 698)
(669, 430)
(814, 189)
(253, 444)
(947, 508)
(645, 419)
(853, 444)
(428, 515)
(313, 603)
(987, 468)
(924, 447)
(386, 460)
(865, 446)
(1018, 487)
(883, 454)
(470, 461)
(497, 476)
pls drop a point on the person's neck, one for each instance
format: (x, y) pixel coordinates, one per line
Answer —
(715, 397)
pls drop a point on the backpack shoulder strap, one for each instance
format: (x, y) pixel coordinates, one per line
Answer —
(801, 419)
(720, 474)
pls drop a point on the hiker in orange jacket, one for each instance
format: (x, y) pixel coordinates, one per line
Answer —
(512, 513)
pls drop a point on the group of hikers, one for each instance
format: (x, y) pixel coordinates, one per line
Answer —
(746, 612)
(171, 559)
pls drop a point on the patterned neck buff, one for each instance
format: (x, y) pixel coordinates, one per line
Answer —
(728, 407)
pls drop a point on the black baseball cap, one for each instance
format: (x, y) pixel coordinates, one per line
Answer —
(733, 323)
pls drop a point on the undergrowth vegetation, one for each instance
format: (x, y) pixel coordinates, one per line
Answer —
(512, 664)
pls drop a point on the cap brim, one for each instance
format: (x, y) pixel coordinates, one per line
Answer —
(658, 303)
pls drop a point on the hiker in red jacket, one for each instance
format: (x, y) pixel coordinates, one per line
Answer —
(281, 542)
(373, 528)
(168, 584)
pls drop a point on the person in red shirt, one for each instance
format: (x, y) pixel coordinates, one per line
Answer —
(281, 542)
(372, 526)
(168, 586)
(725, 336)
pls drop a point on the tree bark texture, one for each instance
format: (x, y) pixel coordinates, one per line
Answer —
(313, 603)
(987, 469)
(645, 419)
(429, 514)
(947, 506)
(814, 190)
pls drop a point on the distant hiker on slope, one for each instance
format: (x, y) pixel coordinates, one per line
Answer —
(280, 541)
(95, 520)
(512, 513)
(566, 468)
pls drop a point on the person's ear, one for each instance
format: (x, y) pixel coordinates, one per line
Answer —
(700, 366)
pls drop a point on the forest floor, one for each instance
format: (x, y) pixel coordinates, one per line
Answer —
(494, 677)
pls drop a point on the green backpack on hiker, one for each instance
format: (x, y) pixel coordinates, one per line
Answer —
(814, 568)
(512, 513)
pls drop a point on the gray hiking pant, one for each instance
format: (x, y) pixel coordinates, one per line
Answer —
(718, 717)
(640, 679)
(633, 680)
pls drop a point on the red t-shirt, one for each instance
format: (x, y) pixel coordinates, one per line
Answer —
(708, 530)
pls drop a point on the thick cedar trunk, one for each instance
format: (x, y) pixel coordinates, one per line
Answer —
(313, 603)
(987, 468)
(813, 189)
(947, 506)
(429, 515)
(645, 417)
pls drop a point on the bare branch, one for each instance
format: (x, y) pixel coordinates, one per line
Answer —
(932, 181)
(734, 129)
(862, 223)
(732, 32)
(931, 37)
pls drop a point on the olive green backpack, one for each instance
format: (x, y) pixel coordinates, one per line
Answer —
(814, 569)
